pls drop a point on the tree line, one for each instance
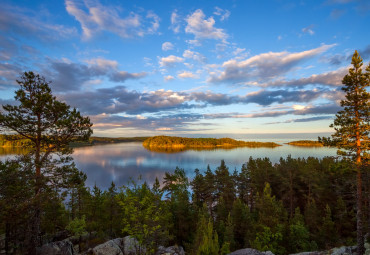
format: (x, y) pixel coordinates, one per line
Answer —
(292, 206)
(184, 142)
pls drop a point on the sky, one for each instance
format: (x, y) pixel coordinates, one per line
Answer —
(167, 67)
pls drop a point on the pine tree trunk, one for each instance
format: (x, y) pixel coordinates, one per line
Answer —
(360, 237)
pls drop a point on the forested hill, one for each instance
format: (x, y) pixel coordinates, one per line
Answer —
(17, 141)
(188, 143)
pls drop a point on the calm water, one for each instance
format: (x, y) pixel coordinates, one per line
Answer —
(120, 162)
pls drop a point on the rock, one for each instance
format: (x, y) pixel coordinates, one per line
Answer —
(344, 250)
(172, 250)
(57, 248)
(132, 246)
(120, 242)
(249, 251)
(107, 248)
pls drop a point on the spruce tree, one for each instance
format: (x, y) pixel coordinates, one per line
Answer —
(352, 127)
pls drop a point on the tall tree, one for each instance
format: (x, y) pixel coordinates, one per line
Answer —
(352, 127)
(49, 125)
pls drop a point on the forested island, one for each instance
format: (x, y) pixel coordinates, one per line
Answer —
(159, 143)
(307, 143)
(17, 141)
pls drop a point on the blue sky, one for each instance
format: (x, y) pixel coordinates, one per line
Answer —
(188, 67)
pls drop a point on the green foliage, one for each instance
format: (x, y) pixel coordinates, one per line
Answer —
(145, 216)
(206, 239)
(299, 236)
(268, 240)
(77, 226)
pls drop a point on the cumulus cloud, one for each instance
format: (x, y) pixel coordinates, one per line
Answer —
(263, 66)
(195, 56)
(203, 28)
(106, 18)
(187, 74)
(167, 46)
(170, 61)
(169, 78)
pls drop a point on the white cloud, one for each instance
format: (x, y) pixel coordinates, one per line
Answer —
(170, 60)
(194, 55)
(224, 14)
(154, 22)
(175, 24)
(169, 78)
(264, 66)
(167, 46)
(203, 28)
(103, 63)
(103, 18)
(187, 74)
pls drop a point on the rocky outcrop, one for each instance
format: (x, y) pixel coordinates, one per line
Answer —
(64, 247)
(249, 251)
(131, 246)
(107, 248)
(172, 250)
(344, 250)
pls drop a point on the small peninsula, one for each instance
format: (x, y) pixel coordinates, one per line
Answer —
(8, 141)
(307, 143)
(182, 143)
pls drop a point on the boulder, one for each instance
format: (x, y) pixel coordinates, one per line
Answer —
(172, 250)
(107, 248)
(344, 250)
(132, 246)
(57, 248)
(249, 251)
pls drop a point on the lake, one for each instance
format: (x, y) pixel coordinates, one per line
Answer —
(122, 161)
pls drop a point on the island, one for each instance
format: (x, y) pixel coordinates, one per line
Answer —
(307, 143)
(173, 143)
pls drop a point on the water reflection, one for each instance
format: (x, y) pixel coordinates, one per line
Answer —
(120, 162)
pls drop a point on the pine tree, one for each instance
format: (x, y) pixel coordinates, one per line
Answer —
(49, 126)
(352, 128)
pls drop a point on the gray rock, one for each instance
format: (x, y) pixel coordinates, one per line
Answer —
(132, 246)
(344, 250)
(249, 251)
(107, 248)
(120, 242)
(172, 250)
(57, 248)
